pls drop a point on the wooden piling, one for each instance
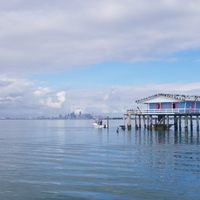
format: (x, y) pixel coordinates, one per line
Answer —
(129, 122)
(156, 120)
(179, 124)
(136, 125)
(191, 123)
(151, 122)
(175, 123)
(147, 121)
(186, 122)
(107, 122)
(139, 121)
(197, 122)
(144, 121)
(163, 119)
(167, 120)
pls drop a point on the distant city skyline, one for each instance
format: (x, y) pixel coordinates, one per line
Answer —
(95, 56)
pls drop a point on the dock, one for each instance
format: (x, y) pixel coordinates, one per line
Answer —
(164, 111)
(164, 119)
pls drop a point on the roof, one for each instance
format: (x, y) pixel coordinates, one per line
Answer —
(168, 98)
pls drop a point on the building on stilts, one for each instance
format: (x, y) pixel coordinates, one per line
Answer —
(162, 111)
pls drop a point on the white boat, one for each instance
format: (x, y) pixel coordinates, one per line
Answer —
(99, 124)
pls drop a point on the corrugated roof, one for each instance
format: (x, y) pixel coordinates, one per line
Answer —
(171, 96)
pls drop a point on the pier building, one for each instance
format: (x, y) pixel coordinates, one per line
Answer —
(166, 110)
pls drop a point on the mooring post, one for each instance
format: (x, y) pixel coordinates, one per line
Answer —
(197, 123)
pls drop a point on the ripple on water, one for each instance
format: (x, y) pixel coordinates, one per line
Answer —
(51, 163)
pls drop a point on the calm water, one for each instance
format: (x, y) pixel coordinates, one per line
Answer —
(72, 160)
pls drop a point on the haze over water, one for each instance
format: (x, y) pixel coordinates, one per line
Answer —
(72, 160)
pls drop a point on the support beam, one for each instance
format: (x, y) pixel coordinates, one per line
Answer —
(148, 122)
(186, 122)
(129, 122)
(151, 122)
(107, 122)
(163, 119)
(156, 120)
(179, 124)
(167, 120)
(175, 123)
(197, 118)
(144, 121)
(136, 124)
(191, 123)
(140, 121)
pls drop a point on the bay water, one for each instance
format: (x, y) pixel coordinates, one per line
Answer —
(66, 159)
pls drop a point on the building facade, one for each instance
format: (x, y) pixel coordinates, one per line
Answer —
(171, 103)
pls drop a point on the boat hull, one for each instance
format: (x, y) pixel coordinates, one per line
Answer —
(96, 125)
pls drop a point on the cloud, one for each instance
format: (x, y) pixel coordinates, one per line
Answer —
(57, 35)
(118, 99)
(54, 103)
(41, 91)
(20, 97)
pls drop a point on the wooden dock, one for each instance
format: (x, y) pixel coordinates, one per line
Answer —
(164, 119)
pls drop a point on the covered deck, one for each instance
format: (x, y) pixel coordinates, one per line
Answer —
(164, 111)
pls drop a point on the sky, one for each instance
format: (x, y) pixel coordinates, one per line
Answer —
(93, 56)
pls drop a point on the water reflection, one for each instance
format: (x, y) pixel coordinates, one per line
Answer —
(143, 136)
(170, 150)
(44, 160)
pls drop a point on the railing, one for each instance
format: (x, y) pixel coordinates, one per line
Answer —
(164, 111)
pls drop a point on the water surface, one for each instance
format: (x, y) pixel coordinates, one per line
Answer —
(72, 160)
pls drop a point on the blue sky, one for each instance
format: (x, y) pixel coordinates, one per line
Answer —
(95, 56)
(185, 69)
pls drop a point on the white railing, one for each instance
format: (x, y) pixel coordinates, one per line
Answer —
(164, 111)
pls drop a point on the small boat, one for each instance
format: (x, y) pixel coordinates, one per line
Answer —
(99, 124)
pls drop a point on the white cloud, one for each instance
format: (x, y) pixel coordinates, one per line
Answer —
(55, 35)
(54, 102)
(119, 98)
(20, 97)
(41, 91)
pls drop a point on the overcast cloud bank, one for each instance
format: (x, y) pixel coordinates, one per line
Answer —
(56, 35)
